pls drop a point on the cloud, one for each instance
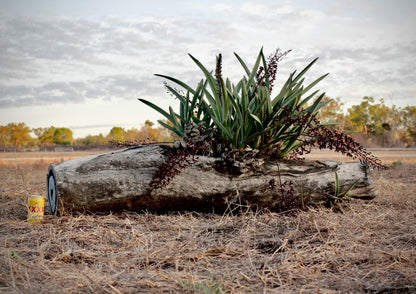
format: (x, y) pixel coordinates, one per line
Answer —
(69, 61)
(72, 60)
(105, 88)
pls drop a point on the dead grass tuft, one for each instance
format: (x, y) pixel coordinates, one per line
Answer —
(370, 248)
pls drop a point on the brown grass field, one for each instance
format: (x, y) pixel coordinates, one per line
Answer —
(370, 247)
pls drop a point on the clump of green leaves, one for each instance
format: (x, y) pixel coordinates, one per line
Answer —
(244, 114)
(338, 195)
(338, 199)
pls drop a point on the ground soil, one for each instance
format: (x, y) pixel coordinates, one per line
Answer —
(359, 247)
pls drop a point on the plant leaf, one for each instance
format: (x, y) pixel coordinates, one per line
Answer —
(336, 185)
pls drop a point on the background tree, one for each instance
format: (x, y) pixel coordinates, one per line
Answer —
(93, 140)
(377, 123)
(133, 135)
(333, 113)
(17, 135)
(359, 116)
(117, 134)
(62, 136)
(4, 138)
(45, 135)
(408, 125)
(148, 133)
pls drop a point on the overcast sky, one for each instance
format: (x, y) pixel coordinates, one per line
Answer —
(82, 64)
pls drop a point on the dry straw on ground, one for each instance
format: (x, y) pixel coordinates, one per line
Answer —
(370, 248)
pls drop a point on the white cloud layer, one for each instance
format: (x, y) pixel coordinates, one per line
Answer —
(97, 60)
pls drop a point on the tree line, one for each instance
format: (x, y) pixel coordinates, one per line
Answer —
(372, 123)
(19, 136)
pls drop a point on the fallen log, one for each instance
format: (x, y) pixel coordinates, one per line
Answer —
(120, 180)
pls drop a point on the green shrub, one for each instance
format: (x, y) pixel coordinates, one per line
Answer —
(243, 114)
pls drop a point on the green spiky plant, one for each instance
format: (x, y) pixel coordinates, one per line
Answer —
(244, 114)
(338, 200)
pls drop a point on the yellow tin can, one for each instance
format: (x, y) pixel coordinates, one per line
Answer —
(36, 209)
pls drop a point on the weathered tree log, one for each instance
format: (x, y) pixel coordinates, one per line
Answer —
(120, 180)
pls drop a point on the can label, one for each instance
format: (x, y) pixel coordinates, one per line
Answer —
(36, 209)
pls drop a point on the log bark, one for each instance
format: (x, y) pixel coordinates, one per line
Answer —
(120, 180)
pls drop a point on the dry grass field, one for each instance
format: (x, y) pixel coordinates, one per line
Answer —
(370, 247)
